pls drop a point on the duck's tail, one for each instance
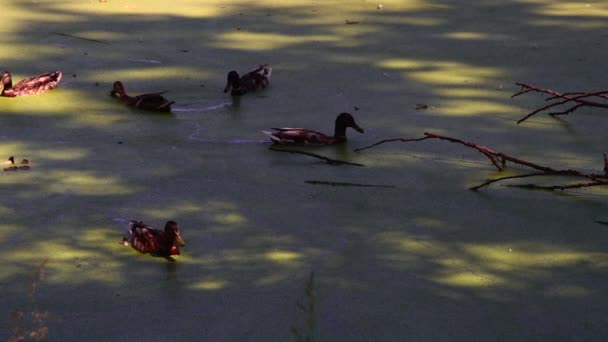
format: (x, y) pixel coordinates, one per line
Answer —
(272, 136)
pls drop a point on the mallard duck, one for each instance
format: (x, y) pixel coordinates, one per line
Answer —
(29, 86)
(303, 136)
(146, 239)
(153, 102)
(251, 81)
(11, 161)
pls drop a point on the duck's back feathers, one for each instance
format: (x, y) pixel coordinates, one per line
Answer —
(30, 86)
(147, 239)
(299, 136)
(258, 78)
(152, 102)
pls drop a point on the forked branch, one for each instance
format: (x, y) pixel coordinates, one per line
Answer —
(575, 100)
(499, 160)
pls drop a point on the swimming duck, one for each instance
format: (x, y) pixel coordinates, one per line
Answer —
(11, 161)
(251, 81)
(29, 86)
(153, 102)
(146, 239)
(303, 136)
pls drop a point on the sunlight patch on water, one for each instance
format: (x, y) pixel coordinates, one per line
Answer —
(279, 256)
(259, 41)
(68, 264)
(7, 230)
(569, 8)
(469, 35)
(441, 72)
(147, 73)
(209, 285)
(62, 181)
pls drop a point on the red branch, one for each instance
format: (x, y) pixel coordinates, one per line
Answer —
(577, 98)
(500, 159)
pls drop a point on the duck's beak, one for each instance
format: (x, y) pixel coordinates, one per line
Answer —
(179, 240)
(228, 86)
(358, 129)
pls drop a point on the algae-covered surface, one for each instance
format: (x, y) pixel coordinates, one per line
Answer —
(426, 260)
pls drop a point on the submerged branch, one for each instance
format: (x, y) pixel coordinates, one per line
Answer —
(81, 38)
(318, 182)
(499, 160)
(318, 156)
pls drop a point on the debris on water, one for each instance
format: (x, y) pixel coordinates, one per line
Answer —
(238, 28)
(97, 84)
(356, 108)
(420, 106)
(351, 22)
(184, 50)
(73, 75)
(119, 142)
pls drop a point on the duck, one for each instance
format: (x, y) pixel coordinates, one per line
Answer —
(147, 239)
(152, 102)
(29, 86)
(251, 81)
(308, 137)
(11, 161)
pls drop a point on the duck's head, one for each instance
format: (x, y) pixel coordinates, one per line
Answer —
(6, 82)
(10, 160)
(343, 121)
(172, 230)
(118, 89)
(233, 80)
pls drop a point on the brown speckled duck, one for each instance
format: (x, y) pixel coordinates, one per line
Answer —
(29, 86)
(153, 102)
(146, 239)
(308, 137)
(251, 81)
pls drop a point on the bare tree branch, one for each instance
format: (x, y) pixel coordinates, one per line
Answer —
(580, 99)
(499, 160)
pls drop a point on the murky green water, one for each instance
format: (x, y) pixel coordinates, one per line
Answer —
(426, 260)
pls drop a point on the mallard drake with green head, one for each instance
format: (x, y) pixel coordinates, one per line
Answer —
(147, 239)
(29, 86)
(153, 102)
(251, 81)
(308, 137)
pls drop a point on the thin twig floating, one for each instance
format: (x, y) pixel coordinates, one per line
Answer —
(499, 160)
(314, 155)
(318, 182)
(576, 100)
(81, 38)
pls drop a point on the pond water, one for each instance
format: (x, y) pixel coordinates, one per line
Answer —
(426, 259)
